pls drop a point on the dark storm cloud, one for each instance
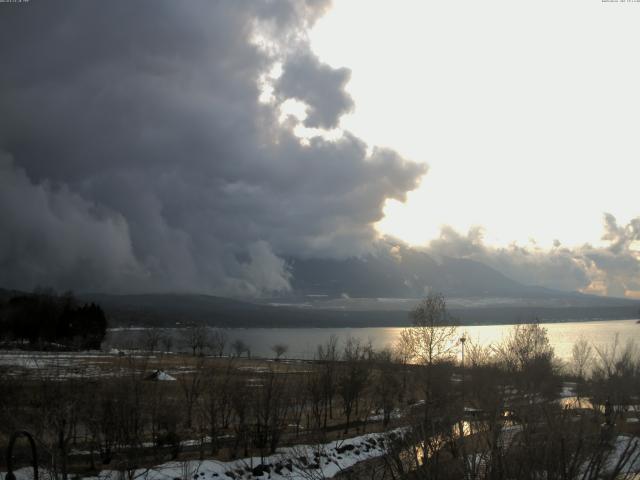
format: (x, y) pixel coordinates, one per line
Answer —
(55, 234)
(612, 269)
(136, 155)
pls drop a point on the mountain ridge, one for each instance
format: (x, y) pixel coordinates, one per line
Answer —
(405, 273)
(373, 290)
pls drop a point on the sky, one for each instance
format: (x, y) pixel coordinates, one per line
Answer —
(525, 112)
(195, 147)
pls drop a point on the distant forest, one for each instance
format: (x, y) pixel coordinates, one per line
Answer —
(44, 319)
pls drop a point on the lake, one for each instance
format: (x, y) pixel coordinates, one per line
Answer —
(302, 342)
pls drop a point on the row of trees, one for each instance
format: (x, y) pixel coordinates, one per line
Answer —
(45, 319)
(200, 340)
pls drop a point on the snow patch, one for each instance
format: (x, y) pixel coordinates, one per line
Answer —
(161, 376)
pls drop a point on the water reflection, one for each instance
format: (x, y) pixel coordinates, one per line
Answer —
(579, 403)
(421, 451)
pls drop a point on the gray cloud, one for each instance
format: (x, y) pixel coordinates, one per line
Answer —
(319, 86)
(137, 157)
(51, 233)
(612, 269)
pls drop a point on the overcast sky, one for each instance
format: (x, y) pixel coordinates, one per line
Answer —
(174, 146)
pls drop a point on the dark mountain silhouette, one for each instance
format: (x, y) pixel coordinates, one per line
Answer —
(409, 274)
(176, 310)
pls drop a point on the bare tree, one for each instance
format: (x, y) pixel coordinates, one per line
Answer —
(166, 339)
(241, 401)
(216, 402)
(528, 356)
(239, 347)
(430, 341)
(315, 393)
(192, 385)
(403, 354)
(58, 401)
(477, 354)
(218, 340)
(270, 408)
(431, 338)
(298, 399)
(353, 378)
(197, 338)
(151, 339)
(616, 374)
(327, 356)
(526, 344)
(387, 384)
(581, 357)
(279, 349)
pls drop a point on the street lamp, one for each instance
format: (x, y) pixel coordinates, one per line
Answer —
(463, 339)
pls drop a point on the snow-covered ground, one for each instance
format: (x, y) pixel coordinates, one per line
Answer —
(625, 447)
(65, 365)
(302, 462)
(316, 462)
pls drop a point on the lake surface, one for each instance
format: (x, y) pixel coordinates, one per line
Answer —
(302, 342)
